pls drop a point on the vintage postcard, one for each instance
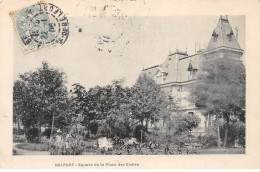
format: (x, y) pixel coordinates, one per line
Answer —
(129, 84)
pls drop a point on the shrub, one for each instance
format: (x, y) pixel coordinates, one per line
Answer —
(209, 141)
(71, 145)
(14, 152)
(137, 133)
(113, 127)
(18, 132)
(236, 131)
(93, 126)
(32, 135)
(185, 123)
(158, 137)
(19, 138)
(47, 132)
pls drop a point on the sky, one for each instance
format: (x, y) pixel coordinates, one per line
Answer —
(112, 48)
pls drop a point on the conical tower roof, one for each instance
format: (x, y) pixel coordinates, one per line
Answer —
(223, 36)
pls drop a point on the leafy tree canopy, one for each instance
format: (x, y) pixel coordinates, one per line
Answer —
(148, 100)
(40, 94)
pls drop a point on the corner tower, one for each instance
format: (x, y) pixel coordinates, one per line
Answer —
(223, 43)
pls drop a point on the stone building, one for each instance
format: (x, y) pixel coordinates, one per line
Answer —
(180, 69)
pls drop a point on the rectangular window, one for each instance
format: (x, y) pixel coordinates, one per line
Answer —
(179, 88)
(193, 74)
(191, 113)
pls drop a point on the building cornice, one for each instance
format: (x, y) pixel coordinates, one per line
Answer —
(179, 83)
(213, 50)
(150, 67)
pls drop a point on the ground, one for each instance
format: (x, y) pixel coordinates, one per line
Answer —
(26, 149)
(223, 151)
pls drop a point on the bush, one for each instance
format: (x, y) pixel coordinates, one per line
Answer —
(19, 138)
(113, 127)
(137, 133)
(185, 123)
(47, 132)
(18, 132)
(236, 130)
(14, 152)
(209, 141)
(93, 126)
(72, 145)
(32, 135)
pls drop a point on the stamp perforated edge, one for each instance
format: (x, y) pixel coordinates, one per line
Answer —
(19, 38)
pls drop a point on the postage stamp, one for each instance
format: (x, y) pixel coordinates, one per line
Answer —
(40, 25)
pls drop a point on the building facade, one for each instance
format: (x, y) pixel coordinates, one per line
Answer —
(180, 69)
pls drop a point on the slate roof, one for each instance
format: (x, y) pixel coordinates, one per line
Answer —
(151, 71)
(223, 35)
(176, 66)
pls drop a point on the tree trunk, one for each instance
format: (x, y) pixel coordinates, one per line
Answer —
(189, 135)
(52, 124)
(218, 135)
(154, 123)
(141, 137)
(18, 123)
(210, 122)
(89, 132)
(168, 130)
(146, 124)
(205, 124)
(40, 132)
(226, 132)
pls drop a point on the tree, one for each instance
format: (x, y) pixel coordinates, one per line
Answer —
(185, 123)
(106, 107)
(221, 89)
(148, 100)
(40, 97)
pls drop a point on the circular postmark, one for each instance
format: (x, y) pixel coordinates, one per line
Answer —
(59, 23)
(49, 20)
(40, 30)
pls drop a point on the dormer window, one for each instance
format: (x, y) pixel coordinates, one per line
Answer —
(229, 34)
(160, 76)
(215, 35)
(192, 70)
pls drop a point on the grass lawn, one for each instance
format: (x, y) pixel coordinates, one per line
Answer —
(32, 146)
(222, 151)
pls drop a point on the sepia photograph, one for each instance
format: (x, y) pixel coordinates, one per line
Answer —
(130, 85)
